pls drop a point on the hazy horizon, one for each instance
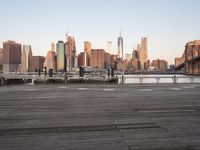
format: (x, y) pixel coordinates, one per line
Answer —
(168, 25)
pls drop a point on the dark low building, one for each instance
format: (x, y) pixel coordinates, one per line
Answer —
(36, 62)
(1, 60)
(107, 61)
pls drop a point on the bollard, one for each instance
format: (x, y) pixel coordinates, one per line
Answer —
(50, 72)
(2, 81)
(66, 79)
(122, 80)
(39, 72)
(81, 71)
(108, 72)
(36, 71)
(45, 71)
(112, 72)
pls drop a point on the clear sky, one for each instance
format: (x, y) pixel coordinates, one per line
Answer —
(168, 24)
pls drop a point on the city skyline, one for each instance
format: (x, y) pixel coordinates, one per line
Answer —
(166, 24)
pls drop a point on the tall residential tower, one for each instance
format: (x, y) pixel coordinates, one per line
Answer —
(61, 56)
(26, 54)
(71, 57)
(143, 51)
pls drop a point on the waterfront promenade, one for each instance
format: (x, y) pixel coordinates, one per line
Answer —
(100, 117)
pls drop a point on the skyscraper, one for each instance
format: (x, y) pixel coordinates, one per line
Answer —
(52, 47)
(11, 56)
(87, 47)
(26, 54)
(135, 55)
(135, 59)
(109, 47)
(143, 54)
(120, 47)
(50, 62)
(61, 56)
(71, 58)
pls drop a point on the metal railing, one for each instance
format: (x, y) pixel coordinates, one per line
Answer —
(142, 79)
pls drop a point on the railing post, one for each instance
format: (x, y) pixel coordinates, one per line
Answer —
(2, 81)
(141, 79)
(192, 79)
(157, 80)
(174, 79)
(66, 79)
(32, 81)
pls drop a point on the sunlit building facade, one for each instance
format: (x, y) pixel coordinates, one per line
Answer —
(143, 51)
(160, 65)
(110, 47)
(50, 61)
(71, 56)
(26, 54)
(61, 56)
(135, 62)
(87, 47)
(83, 59)
(97, 58)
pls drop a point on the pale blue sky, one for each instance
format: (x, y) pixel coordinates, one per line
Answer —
(168, 24)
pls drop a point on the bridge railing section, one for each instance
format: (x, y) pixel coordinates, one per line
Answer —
(157, 79)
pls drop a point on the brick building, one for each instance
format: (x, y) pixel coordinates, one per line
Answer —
(36, 62)
(11, 56)
(83, 59)
(97, 58)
